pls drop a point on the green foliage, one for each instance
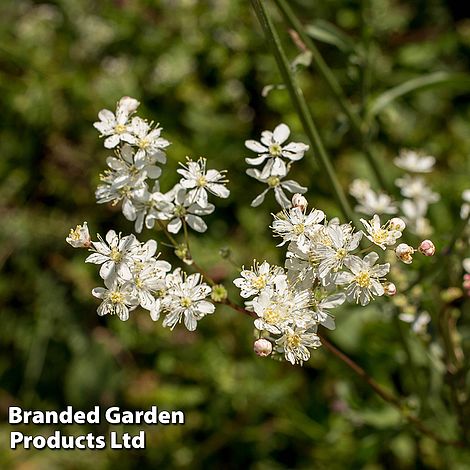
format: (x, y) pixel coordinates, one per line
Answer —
(199, 69)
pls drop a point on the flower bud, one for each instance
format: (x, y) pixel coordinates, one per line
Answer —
(219, 293)
(396, 224)
(466, 281)
(427, 248)
(262, 347)
(128, 104)
(299, 201)
(405, 252)
(390, 289)
(80, 237)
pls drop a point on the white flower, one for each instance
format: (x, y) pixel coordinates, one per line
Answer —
(414, 187)
(334, 254)
(79, 237)
(116, 255)
(295, 344)
(295, 225)
(148, 278)
(276, 183)
(364, 279)
(376, 203)
(115, 126)
(271, 149)
(117, 299)
(413, 162)
(201, 181)
(320, 309)
(385, 235)
(419, 323)
(180, 208)
(359, 188)
(148, 141)
(273, 310)
(185, 300)
(259, 277)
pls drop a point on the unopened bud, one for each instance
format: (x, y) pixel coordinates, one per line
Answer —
(427, 248)
(299, 201)
(396, 224)
(219, 293)
(466, 281)
(80, 237)
(405, 252)
(262, 347)
(129, 104)
(390, 289)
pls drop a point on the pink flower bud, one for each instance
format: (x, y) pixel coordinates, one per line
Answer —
(299, 201)
(390, 289)
(262, 347)
(405, 252)
(427, 248)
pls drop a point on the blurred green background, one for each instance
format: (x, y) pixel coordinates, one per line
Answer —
(199, 69)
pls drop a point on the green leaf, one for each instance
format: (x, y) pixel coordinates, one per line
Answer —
(328, 33)
(417, 84)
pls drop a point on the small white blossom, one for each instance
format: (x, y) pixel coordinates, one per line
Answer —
(116, 299)
(295, 225)
(364, 279)
(275, 183)
(200, 182)
(334, 254)
(178, 208)
(186, 300)
(413, 162)
(259, 277)
(116, 255)
(271, 149)
(414, 187)
(115, 127)
(382, 235)
(79, 237)
(296, 343)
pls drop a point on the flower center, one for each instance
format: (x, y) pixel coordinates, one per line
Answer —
(275, 150)
(294, 341)
(180, 211)
(259, 282)
(273, 181)
(380, 235)
(363, 279)
(119, 129)
(271, 316)
(186, 302)
(299, 229)
(341, 253)
(143, 143)
(201, 181)
(115, 254)
(116, 298)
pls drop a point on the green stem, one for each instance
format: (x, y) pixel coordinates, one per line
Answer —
(300, 104)
(335, 88)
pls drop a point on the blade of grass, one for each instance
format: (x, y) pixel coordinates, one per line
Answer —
(301, 107)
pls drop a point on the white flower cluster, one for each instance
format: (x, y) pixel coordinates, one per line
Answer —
(277, 158)
(323, 269)
(133, 275)
(139, 147)
(417, 196)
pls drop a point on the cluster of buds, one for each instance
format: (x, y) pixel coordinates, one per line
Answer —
(405, 252)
